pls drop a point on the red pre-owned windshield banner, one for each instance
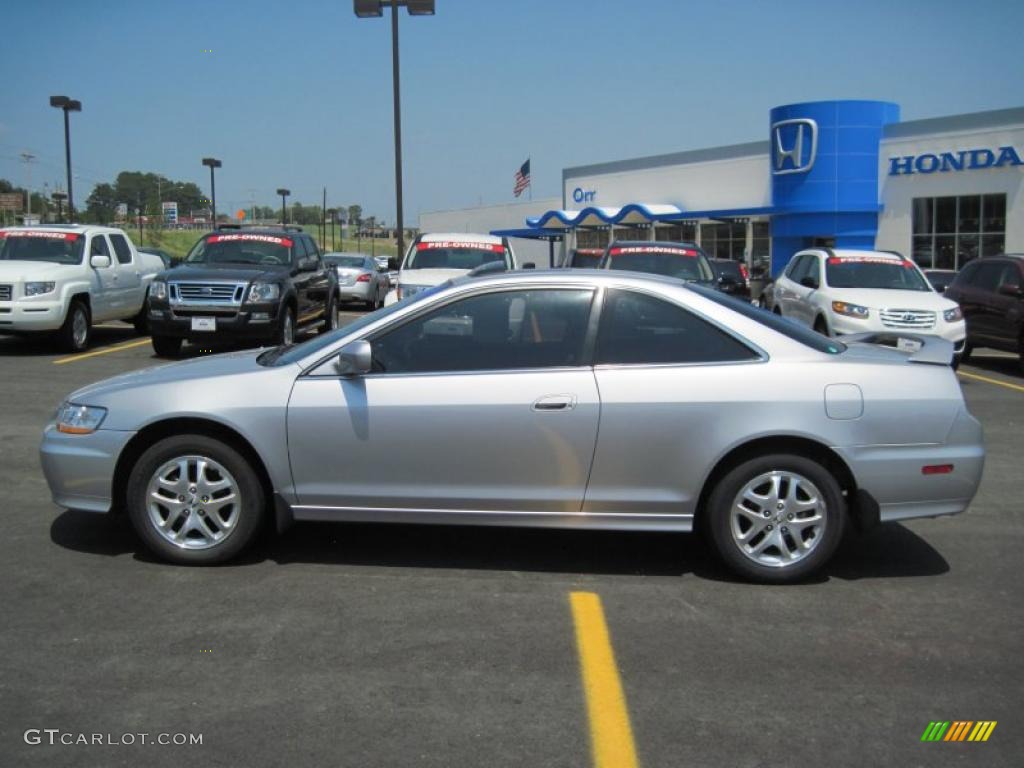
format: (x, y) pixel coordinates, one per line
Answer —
(42, 235)
(286, 242)
(628, 250)
(834, 260)
(496, 247)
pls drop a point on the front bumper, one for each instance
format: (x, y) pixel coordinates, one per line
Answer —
(80, 468)
(843, 325)
(250, 321)
(31, 316)
(892, 474)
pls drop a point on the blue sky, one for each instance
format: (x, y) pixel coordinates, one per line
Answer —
(299, 94)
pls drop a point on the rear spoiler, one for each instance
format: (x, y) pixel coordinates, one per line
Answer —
(921, 348)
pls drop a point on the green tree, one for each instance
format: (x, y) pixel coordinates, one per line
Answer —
(355, 215)
(101, 205)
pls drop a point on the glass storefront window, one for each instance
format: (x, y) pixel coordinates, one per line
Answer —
(676, 233)
(951, 231)
(726, 240)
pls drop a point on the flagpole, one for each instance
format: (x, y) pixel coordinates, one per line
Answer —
(531, 179)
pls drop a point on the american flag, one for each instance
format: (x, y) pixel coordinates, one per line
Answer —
(522, 178)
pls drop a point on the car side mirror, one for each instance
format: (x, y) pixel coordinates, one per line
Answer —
(100, 261)
(529, 265)
(1011, 289)
(355, 358)
(809, 282)
(392, 264)
(307, 264)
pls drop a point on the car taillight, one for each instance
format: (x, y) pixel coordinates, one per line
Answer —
(363, 278)
(744, 272)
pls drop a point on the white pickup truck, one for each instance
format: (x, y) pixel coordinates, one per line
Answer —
(63, 278)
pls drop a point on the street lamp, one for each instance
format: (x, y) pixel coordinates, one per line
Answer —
(213, 163)
(68, 105)
(59, 198)
(284, 212)
(371, 8)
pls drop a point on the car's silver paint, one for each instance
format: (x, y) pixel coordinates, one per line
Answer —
(635, 451)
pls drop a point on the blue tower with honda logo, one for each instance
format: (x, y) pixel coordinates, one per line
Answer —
(824, 168)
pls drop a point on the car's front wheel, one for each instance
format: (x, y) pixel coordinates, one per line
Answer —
(76, 332)
(776, 518)
(166, 346)
(194, 500)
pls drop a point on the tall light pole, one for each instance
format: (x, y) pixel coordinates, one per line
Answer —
(213, 163)
(59, 198)
(68, 105)
(284, 211)
(373, 8)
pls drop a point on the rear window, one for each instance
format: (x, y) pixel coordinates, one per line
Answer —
(789, 328)
(586, 258)
(448, 254)
(54, 247)
(682, 263)
(241, 249)
(874, 272)
(346, 261)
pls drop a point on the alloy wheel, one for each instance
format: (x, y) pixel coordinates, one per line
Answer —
(778, 518)
(193, 502)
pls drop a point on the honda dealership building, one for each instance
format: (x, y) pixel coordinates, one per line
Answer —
(847, 174)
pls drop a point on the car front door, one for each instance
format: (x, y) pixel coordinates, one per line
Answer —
(1005, 315)
(131, 291)
(319, 285)
(302, 279)
(104, 302)
(483, 405)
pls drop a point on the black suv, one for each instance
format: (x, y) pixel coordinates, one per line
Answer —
(258, 284)
(733, 277)
(684, 261)
(990, 292)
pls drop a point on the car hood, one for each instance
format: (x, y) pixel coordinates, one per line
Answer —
(210, 366)
(429, 276)
(30, 270)
(238, 272)
(882, 298)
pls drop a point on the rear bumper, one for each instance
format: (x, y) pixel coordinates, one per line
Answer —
(80, 468)
(892, 474)
(355, 292)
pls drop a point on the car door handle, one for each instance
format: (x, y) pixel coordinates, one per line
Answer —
(555, 403)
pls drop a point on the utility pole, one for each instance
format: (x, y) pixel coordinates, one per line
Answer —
(28, 158)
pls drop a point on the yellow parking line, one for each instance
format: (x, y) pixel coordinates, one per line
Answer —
(987, 380)
(611, 736)
(104, 351)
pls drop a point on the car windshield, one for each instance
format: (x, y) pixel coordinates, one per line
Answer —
(241, 249)
(455, 255)
(285, 355)
(682, 263)
(874, 272)
(777, 323)
(54, 247)
(346, 261)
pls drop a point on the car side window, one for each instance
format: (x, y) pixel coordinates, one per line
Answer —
(98, 247)
(639, 329)
(1009, 276)
(795, 267)
(967, 275)
(122, 249)
(311, 247)
(494, 331)
(988, 275)
(298, 249)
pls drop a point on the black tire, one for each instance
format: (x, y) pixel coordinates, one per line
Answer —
(965, 356)
(955, 363)
(777, 311)
(71, 335)
(281, 335)
(166, 346)
(331, 317)
(821, 326)
(250, 510)
(141, 321)
(719, 524)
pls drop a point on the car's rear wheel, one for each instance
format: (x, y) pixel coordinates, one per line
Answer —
(776, 518)
(194, 500)
(331, 321)
(166, 346)
(76, 332)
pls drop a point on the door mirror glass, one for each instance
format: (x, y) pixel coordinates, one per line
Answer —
(355, 358)
(101, 262)
(307, 264)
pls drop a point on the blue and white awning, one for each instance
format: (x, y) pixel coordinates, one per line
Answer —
(598, 216)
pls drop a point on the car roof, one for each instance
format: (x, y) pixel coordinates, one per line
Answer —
(283, 231)
(850, 253)
(460, 237)
(348, 253)
(76, 228)
(657, 243)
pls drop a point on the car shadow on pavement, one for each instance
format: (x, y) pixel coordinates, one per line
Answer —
(992, 363)
(888, 551)
(44, 346)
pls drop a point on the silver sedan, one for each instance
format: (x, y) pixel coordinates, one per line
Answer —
(360, 278)
(564, 399)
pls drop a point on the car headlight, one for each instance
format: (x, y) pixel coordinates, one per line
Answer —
(79, 419)
(954, 315)
(850, 310)
(264, 292)
(36, 289)
(405, 291)
(158, 290)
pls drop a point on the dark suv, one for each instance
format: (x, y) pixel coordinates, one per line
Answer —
(257, 284)
(733, 277)
(990, 292)
(684, 261)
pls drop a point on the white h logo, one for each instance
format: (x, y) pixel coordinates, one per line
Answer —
(795, 153)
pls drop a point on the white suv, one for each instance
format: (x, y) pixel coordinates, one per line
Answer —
(843, 291)
(63, 278)
(432, 259)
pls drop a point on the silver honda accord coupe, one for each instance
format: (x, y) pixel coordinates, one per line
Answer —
(563, 399)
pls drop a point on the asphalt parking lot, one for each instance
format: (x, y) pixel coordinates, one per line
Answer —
(363, 645)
